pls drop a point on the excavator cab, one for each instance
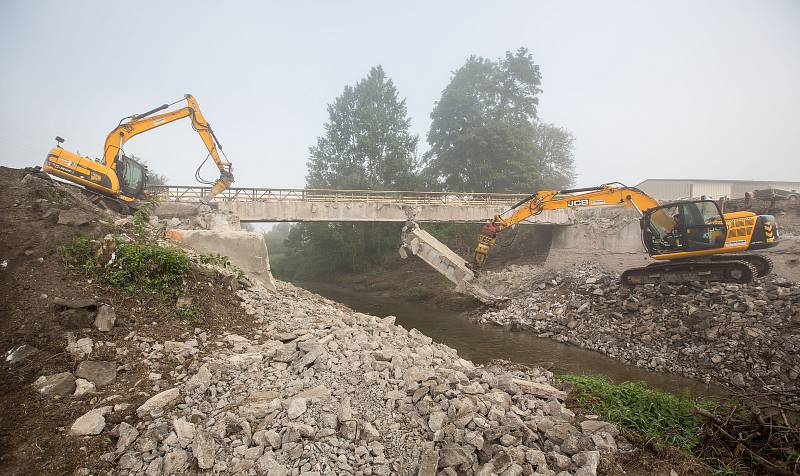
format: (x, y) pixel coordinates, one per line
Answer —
(683, 227)
(132, 176)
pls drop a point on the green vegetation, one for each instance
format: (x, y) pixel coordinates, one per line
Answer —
(485, 136)
(665, 419)
(221, 261)
(141, 217)
(190, 313)
(137, 268)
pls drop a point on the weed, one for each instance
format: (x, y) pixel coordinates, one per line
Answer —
(141, 218)
(55, 195)
(138, 267)
(664, 418)
(221, 261)
(190, 313)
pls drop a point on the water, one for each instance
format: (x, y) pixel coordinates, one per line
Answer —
(481, 344)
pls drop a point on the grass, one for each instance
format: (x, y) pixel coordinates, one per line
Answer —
(663, 418)
(190, 313)
(139, 268)
(221, 261)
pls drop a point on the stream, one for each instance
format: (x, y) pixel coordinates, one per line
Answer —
(481, 344)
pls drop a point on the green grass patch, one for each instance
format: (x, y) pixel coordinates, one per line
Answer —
(664, 418)
(190, 313)
(137, 268)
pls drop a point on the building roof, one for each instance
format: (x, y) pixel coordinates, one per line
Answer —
(718, 180)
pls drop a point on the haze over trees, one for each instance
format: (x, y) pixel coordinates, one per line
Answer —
(366, 145)
(485, 136)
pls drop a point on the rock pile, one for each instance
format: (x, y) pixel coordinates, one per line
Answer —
(747, 336)
(319, 389)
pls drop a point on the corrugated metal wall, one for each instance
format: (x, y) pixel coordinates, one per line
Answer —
(665, 189)
(715, 189)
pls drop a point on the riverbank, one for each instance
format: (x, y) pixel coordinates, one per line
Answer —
(746, 337)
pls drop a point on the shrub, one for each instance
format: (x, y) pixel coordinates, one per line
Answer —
(138, 268)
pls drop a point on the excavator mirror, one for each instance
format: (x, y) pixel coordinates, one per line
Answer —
(60, 140)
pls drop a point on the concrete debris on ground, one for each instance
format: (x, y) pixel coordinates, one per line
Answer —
(745, 336)
(318, 389)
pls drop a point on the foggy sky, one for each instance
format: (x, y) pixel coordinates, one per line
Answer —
(672, 89)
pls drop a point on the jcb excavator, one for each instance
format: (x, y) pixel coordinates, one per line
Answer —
(692, 240)
(120, 177)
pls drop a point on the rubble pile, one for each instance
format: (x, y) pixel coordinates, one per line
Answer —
(746, 336)
(320, 389)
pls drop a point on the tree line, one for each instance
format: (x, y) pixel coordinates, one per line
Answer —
(485, 136)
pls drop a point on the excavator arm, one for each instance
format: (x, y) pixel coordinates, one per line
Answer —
(134, 125)
(607, 194)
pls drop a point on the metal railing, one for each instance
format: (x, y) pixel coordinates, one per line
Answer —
(177, 193)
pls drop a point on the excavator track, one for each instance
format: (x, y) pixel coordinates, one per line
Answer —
(727, 271)
(763, 264)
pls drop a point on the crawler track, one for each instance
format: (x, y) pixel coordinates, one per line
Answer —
(739, 270)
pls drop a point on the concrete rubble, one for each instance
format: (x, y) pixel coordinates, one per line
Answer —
(320, 389)
(745, 336)
(201, 228)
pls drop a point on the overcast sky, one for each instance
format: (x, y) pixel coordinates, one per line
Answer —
(672, 89)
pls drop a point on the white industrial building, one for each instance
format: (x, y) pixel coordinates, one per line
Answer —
(676, 189)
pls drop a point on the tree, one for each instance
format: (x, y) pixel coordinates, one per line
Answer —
(366, 143)
(485, 134)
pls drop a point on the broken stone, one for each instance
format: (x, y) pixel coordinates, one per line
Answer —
(158, 402)
(98, 372)
(20, 353)
(58, 384)
(105, 319)
(83, 387)
(296, 407)
(73, 217)
(90, 423)
(204, 448)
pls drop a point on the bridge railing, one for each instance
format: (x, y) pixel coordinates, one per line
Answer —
(177, 193)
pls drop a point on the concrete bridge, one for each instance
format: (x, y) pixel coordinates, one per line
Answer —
(304, 205)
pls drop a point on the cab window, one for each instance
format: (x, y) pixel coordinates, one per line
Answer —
(131, 176)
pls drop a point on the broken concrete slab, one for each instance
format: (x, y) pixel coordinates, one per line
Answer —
(245, 249)
(419, 242)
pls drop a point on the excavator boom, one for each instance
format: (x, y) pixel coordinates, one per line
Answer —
(122, 178)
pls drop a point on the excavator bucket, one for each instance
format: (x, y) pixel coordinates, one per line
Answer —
(223, 183)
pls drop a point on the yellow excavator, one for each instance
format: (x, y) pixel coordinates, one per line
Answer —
(691, 240)
(122, 178)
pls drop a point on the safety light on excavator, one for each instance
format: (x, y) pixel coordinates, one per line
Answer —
(60, 141)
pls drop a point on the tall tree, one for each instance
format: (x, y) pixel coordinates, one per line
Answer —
(367, 143)
(485, 134)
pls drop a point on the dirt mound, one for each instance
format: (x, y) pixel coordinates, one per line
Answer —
(37, 217)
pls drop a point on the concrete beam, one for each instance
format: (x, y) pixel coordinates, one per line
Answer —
(301, 211)
(419, 242)
(245, 249)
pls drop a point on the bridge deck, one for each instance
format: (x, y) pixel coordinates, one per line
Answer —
(179, 193)
(304, 204)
